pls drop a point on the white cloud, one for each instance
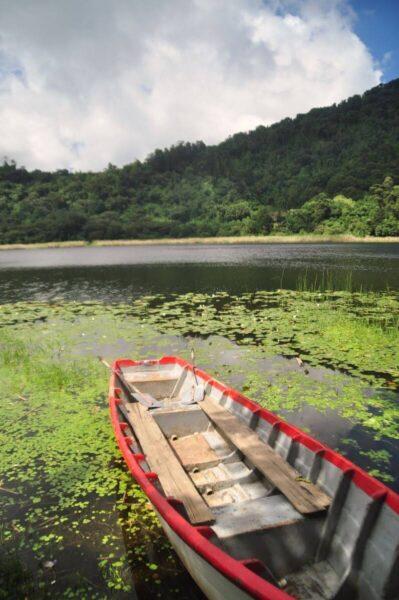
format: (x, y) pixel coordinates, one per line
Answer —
(87, 83)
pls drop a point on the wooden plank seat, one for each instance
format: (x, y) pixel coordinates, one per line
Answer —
(194, 451)
(304, 496)
(149, 386)
(144, 377)
(162, 460)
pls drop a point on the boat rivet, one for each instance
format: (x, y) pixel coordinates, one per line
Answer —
(195, 470)
(208, 491)
(173, 437)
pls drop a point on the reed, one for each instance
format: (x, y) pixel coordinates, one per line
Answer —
(248, 239)
(70, 244)
(326, 281)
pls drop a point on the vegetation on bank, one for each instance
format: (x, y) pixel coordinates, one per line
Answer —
(328, 158)
(376, 213)
(243, 239)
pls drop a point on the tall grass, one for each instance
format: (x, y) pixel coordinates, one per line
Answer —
(243, 239)
(326, 281)
(42, 366)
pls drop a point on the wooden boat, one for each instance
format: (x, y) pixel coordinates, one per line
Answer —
(254, 507)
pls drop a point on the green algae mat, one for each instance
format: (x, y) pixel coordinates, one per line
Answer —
(74, 524)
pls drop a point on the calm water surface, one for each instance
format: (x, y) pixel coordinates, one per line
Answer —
(118, 273)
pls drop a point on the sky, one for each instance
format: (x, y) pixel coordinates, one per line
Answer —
(377, 24)
(85, 84)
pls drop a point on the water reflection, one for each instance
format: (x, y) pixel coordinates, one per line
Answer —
(118, 273)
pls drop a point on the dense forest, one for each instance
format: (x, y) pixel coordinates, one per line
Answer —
(332, 170)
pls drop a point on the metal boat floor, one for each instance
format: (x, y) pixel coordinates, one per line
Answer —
(254, 515)
(318, 582)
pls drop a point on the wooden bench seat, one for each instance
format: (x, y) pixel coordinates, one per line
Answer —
(162, 460)
(303, 495)
(144, 377)
(194, 451)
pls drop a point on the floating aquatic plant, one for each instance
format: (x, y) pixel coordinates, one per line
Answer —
(66, 498)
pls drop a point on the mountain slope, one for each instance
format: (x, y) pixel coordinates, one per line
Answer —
(344, 148)
(227, 189)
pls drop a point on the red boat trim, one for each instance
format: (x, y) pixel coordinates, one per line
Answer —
(231, 568)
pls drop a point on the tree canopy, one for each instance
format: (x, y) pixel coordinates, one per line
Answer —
(331, 170)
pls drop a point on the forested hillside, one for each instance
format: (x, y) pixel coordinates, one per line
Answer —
(331, 170)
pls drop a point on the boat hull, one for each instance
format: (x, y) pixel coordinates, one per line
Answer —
(213, 583)
(362, 532)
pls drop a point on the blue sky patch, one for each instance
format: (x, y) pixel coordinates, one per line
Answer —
(378, 27)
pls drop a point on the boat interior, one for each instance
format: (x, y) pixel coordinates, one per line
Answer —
(291, 516)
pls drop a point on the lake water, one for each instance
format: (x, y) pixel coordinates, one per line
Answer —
(118, 273)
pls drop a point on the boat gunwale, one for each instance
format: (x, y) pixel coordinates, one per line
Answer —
(196, 536)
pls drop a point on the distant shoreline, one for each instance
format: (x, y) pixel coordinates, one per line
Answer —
(252, 239)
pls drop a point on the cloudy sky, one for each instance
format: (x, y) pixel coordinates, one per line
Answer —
(88, 82)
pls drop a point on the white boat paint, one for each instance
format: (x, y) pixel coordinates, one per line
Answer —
(350, 552)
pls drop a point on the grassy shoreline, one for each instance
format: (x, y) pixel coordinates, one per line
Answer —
(249, 239)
